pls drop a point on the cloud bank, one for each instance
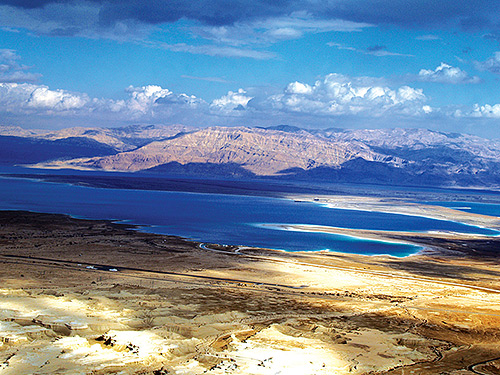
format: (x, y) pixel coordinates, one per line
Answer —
(331, 97)
(134, 18)
(336, 95)
(332, 100)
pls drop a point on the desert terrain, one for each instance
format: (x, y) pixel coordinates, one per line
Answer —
(95, 297)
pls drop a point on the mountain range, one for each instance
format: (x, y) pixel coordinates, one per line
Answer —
(418, 157)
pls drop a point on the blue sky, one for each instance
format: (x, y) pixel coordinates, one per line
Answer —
(335, 63)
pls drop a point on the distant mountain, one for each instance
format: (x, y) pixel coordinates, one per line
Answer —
(19, 150)
(120, 139)
(434, 158)
(259, 151)
(383, 156)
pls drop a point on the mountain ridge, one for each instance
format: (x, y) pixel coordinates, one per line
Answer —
(405, 156)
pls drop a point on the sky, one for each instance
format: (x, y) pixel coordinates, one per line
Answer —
(313, 64)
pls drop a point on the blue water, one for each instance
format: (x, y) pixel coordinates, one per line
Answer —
(227, 219)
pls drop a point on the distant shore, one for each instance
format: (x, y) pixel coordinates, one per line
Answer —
(400, 207)
(261, 186)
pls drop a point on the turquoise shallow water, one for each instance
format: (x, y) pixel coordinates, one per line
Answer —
(217, 218)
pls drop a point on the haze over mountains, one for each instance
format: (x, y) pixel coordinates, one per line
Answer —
(383, 156)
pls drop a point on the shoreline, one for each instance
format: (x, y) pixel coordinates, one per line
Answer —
(367, 204)
(264, 186)
(404, 207)
(82, 296)
(381, 236)
(390, 237)
(433, 244)
(357, 234)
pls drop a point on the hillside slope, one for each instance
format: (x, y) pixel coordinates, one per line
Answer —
(382, 156)
(260, 151)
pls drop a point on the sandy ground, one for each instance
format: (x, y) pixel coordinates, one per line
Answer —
(400, 206)
(92, 297)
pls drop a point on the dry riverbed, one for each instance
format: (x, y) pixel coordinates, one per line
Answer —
(93, 297)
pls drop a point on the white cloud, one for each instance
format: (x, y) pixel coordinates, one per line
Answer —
(213, 50)
(26, 97)
(142, 99)
(339, 95)
(382, 53)
(11, 70)
(341, 46)
(9, 57)
(298, 88)
(376, 50)
(57, 100)
(427, 109)
(272, 30)
(333, 99)
(143, 102)
(445, 73)
(333, 96)
(151, 101)
(300, 22)
(491, 65)
(486, 110)
(233, 101)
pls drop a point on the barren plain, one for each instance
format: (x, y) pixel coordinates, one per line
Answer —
(94, 297)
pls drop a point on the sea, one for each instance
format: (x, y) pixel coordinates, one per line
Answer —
(231, 219)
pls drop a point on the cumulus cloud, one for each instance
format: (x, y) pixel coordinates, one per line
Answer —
(486, 110)
(11, 70)
(142, 99)
(445, 73)
(146, 102)
(332, 97)
(337, 95)
(233, 101)
(479, 112)
(491, 65)
(150, 102)
(29, 98)
(55, 100)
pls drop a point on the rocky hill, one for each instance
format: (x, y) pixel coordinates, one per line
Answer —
(121, 139)
(384, 156)
(260, 151)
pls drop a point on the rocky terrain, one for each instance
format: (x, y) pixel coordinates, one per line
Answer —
(383, 156)
(120, 139)
(262, 152)
(92, 297)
